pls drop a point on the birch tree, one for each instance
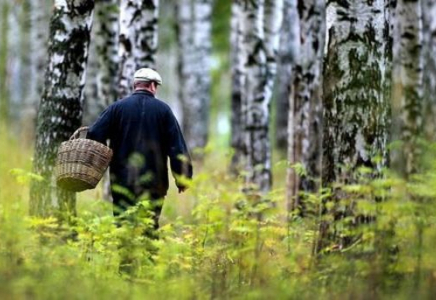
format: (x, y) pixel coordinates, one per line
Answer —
(137, 40)
(237, 71)
(194, 40)
(429, 63)
(305, 113)
(15, 60)
(355, 109)
(288, 50)
(101, 86)
(60, 109)
(38, 32)
(261, 22)
(407, 84)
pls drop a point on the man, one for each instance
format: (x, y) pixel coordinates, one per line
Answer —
(143, 134)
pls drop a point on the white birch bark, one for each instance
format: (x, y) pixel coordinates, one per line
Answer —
(407, 84)
(257, 93)
(15, 59)
(429, 72)
(288, 50)
(102, 71)
(137, 40)
(305, 114)
(60, 109)
(273, 16)
(353, 86)
(194, 39)
(38, 31)
(355, 107)
(90, 99)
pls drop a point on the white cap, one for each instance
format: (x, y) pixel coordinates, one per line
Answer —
(147, 74)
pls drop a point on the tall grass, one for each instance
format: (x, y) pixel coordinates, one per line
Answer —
(213, 245)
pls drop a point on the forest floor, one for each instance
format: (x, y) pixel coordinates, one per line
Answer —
(212, 245)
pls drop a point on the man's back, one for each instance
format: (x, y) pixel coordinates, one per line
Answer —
(143, 132)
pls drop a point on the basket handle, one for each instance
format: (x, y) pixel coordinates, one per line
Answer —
(77, 133)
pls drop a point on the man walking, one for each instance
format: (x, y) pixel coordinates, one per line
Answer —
(143, 134)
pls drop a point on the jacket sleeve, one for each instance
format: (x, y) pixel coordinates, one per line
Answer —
(180, 160)
(101, 129)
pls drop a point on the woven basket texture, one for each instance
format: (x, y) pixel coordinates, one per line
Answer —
(81, 164)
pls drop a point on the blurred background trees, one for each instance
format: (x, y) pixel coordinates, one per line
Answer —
(352, 77)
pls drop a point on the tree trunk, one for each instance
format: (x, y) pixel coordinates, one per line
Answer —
(429, 72)
(15, 62)
(305, 124)
(38, 32)
(407, 87)
(288, 50)
(355, 109)
(238, 72)
(194, 39)
(137, 40)
(101, 86)
(60, 110)
(260, 41)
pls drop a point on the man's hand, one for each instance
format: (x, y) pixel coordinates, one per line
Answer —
(182, 189)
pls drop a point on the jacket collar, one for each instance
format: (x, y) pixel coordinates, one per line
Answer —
(143, 92)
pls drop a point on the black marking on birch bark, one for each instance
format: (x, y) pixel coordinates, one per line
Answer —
(126, 43)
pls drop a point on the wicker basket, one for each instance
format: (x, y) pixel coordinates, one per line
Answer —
(81, 162)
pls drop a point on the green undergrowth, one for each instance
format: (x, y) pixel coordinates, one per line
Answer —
(217, 243)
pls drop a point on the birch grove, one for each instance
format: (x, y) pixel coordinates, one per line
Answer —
(60, 109)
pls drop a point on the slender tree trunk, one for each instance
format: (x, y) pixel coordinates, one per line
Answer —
(355, 108)
(288, 51)
(194, 39)
(260, 66)
(429, 72)
(60, 110)
(137, 40)
(306, 104)
(254, 105)
(102, 73)
(407, 81)
(238, 72)
(273, 17)
(15, 61)
(101, 86)
(38, 32)
(91, 102)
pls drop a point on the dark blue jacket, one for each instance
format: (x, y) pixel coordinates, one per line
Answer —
(143, 133)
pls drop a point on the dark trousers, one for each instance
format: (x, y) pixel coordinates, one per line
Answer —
(125, 198)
